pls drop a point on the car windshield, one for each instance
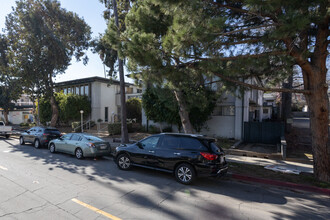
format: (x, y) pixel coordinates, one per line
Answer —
(52, 131)
(92, 138)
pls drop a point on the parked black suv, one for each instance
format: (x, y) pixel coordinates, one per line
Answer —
(185, 155)
(39, 136)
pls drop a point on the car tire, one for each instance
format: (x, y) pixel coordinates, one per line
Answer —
(185, 174)
(52, 148)
(21, 141)
(7, 136)
(124, 162)
(79, 154)
(37, 143)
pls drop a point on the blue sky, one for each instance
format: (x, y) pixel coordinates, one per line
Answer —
(91, 11)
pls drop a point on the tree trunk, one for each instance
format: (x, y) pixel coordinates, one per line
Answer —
(54, 111)
(38, 112)
(124, 131)
(287, 103)
(319, 113)
(5, 115)
(183, 112)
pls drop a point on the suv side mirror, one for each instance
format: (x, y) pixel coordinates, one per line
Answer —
(139, 145)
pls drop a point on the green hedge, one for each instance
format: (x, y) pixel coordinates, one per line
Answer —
(115, 128)
(69, 107)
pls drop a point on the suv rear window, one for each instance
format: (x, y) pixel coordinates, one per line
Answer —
(188, 143)
(215, 148)
(52, 131)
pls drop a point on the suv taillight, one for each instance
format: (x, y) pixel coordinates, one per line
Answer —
(45, 134)
(209, 156)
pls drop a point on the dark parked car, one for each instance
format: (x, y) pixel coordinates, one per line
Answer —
(187, 156)
(39, 136)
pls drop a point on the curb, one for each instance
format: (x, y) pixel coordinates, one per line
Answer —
(280, 183)
(238, 152)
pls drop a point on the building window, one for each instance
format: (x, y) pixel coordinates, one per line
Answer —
(65, 91)
(78, 90)
(265, 110)
(69, 90)
(129, 90)
(139, 91)
(227, 110)
(106, 114)
(87, 90)
(82, 90)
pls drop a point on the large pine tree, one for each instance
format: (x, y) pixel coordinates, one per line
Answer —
(235, 40)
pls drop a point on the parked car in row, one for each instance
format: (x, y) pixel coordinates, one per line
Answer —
(187, 156)
(5, 130)
(39, 136)
(81, 145)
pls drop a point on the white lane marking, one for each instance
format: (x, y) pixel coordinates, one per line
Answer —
(3, 168)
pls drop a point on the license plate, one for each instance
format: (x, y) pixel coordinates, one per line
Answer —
(102, 147)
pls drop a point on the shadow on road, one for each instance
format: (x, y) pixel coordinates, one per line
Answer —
(165, 186)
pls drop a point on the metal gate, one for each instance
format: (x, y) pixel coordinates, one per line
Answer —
(263, 132)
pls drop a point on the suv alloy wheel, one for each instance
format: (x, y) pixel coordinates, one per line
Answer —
(185, 173)
(123, 162)
(21, 141)
(37, 143)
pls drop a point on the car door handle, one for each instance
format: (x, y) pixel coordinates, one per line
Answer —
(177, 153)
(151, 151)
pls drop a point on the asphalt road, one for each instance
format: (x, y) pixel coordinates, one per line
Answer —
(35, 184)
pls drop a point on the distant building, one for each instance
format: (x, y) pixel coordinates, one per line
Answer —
(228, 117)
(22, 112)
(103, 95)
(270, 108)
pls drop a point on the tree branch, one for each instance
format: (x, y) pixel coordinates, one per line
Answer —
(243, 29)
(235, 43)
(241, 56)
(294, 51)
(265, 89)
(240, 10)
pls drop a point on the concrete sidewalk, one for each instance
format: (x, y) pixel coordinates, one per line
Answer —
(285, 165)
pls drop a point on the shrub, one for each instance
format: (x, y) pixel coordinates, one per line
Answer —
(69, 107)
(114, 128)
(167, 129)
(134, 109)
(75, 125)
(24, 124)
(136, 127)
(153, 129)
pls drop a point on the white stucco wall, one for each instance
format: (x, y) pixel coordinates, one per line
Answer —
(220, 126)
(17, 117)
(103, 96)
